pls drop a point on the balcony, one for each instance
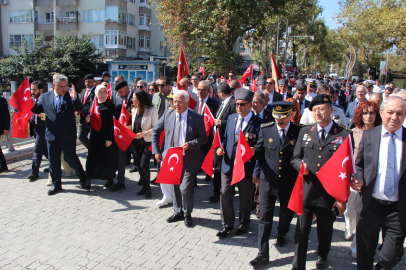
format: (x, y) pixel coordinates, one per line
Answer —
(120, 3)
(45, 25)
(44, 3)
(66, 3)
(143, 49)
(67, 23)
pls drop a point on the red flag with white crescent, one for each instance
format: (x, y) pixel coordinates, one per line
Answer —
(172, 166)
(242, 155)
(335, 173)
(192, 102)
(276, 75)
(208, 120)
(183, 69)
(109, 91)
(254, 85)
(125, 118)
(161, 140)
(201, 70)
(207, 165)
(247, 74)
(20, 125)
(21, 99)
(95, 118)
(122, 135)
(296, 198)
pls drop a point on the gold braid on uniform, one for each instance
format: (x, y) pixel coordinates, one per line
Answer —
(267, 124)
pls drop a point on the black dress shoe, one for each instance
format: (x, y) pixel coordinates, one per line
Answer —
(214, 198)
(188, 221)
(46, 170)
(87, 185)
(53, 190)
(174, 217)
(117, 187)
(208, 178)
(3, 169)
(134, 169)
(33, 177)
(142, 191)
(109, 183)
(281, 240)
(258, 261)
(153, 182)
(321, 263)
(127, 163)
(242, 229)
(148, 193)
(224, 231)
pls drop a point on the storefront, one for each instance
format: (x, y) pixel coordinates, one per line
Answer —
(131, 69)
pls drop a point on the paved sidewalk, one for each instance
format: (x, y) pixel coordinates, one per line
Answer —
(97, 229)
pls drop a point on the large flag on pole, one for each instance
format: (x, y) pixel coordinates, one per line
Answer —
(275, 73)
(247, 74)
(183, 69)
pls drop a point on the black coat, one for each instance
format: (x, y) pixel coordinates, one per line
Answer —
(228, 110)
(88, 103)
(268, 117)
(274, 159)
(315, 156)
(4, 116)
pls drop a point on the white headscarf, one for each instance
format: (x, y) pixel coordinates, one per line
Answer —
(96, 92)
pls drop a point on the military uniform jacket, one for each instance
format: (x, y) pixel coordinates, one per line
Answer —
(274, 159)
(315, 154)
(230, 140)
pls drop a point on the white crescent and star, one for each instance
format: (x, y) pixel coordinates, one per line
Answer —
(343, 175)
(345, 160)
(208, 118)
(97, 110)
(124, 116)
(242, 150)
(177, 159)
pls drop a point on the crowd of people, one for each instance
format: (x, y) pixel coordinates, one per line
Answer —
(284, 123)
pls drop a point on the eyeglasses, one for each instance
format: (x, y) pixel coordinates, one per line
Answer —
(160, 85)
(151, 89)
(242, 104)
(200, 89)
(140, 86)
(269, 83)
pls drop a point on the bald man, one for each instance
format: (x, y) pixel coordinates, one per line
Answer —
(377, 98)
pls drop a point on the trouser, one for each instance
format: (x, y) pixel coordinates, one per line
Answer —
(130, 151)
(55, 149)
(217, 174)
(83, 131)
(245, 190)
(120, 166)
(376, 217)
(142, 158)
(40, 149)
(183, 194)
(325, 220)
(3, 163)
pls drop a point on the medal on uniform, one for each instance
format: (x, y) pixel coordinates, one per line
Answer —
(335, 131)
(312, 128)
(293, 142)
(270, 140)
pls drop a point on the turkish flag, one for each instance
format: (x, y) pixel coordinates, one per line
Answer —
(95, 118)
(208, 120)
(222, 77)
(254, 85)
(122, 135)
(335, 173)
(207, 165)
(21, 99)
(161, 140)
(20, 125)
(125, 118)
(192, 102)
(247, 74)
(296, 198)
(171, 170)
(183, 69)
(201, 70)
(242, 155)
(275, 73)
(109, 91)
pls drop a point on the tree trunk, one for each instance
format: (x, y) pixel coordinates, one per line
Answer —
(294, 65)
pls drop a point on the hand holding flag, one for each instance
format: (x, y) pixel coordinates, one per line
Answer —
(296, 198)
(172, 166)
(242, 155)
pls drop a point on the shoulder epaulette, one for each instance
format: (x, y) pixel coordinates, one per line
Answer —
(344, 127)
(267, 124)
(298, 124)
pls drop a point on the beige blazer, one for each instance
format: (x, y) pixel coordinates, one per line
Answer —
(149, 120)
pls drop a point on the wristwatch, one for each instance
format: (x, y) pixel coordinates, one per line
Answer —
(146, 133)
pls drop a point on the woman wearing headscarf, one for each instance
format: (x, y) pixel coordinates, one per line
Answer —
(102, 156)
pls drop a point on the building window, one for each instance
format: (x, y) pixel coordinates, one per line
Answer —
(98, 40)
(49, 17)
(131, 19)
(116, 14)
(93, 15)
(116, 38)
(23, 16)
(131, 43)
(161, 46)
(133, 1)
(17, 40)
(145, 19)
(143, 41)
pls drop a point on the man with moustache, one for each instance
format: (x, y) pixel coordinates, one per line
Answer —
(273, 96)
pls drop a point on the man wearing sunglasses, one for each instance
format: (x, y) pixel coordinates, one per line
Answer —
(283, 88)
(142, 85)
(272, 94)
(246, 122)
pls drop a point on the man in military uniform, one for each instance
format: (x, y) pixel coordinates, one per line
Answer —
(276, 176)
(315, 145)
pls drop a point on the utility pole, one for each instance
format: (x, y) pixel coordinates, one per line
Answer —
(286, 43)
(277, 44)
(54, 8)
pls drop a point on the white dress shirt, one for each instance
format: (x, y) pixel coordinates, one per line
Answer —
(244, 122)
(302, 107)
(379, 187)
(204, 103)
(182, 133)
(224, 104)
(285, 131)
(310, 96)
(270, 95)
(326, 129)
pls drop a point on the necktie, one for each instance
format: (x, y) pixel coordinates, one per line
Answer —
(57, 102)
(389, 189)
(200, 106)
(177, 132)
(283, 135)
(322, 135)
(239, 127)
(300, 102)
(86, 94)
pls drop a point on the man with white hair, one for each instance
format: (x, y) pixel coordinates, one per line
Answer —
(360, 93)
(183, 128)
(142, 85)
(402, 94)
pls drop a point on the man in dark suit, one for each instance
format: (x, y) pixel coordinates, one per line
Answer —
(4, 129)
(206, 101)
(142, 85)
(360, 93)
(276, 176)
(87, 100)
(301, 92)
(283, 88)
(316, 144)
(227, 108)
(272, 94)
(59, 107)
(258, 103)
(381, 183)
(183, 128)
(37, 129)
(244, 120)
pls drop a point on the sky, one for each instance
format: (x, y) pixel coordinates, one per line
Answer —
(330, 8)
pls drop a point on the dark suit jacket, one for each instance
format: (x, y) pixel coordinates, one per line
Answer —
(37, 129)
(229, 142)
(4, 115)
(367, 168)
(195, 136)
(342, 100)
(276, 97)
(269, 151)
(214, 86)
(228, 110)
(310, 151)
(268, 117)
(61, 125)
(88, 103)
